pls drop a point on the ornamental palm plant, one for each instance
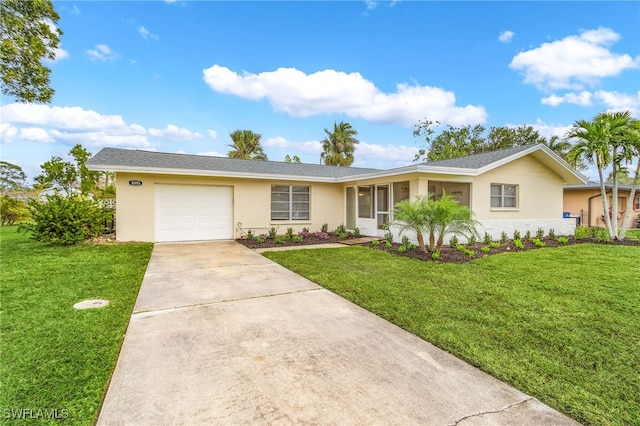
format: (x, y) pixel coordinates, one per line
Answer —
(416, 216)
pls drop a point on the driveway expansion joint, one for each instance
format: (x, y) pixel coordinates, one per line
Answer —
(515, 404)
(217, 302)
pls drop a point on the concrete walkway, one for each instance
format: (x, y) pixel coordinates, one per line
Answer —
(222, 335)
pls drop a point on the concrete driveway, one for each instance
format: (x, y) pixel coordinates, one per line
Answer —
(222, 335)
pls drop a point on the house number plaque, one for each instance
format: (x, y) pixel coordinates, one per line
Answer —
(135, 182)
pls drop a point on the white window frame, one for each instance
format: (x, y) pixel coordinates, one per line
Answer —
(292, 214)
(501, 197)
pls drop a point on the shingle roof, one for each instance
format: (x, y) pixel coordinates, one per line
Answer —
(478, 161)
(125, 159)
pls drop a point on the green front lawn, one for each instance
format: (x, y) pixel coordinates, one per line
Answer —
(54, 357)
(560, 324)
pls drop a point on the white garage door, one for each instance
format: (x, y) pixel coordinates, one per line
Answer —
(193, 213)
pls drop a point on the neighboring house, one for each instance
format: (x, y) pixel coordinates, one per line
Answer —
(584, 202)
(178, 197)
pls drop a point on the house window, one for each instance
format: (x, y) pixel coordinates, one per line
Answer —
(289, 202)
(636, 204)
(504, 196)
(365, 202)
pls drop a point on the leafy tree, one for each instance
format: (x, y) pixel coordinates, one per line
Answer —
(288, 159)
(609, 139)
(455, 142)
(339, 145)
(69, 177)
(623, 177)
(29, 34)
(12, 177)
(246, 145)
(12, 210)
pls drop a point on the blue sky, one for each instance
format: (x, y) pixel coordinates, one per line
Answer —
(178, 76)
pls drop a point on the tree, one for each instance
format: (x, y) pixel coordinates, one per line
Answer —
(631, 152)
(623, 177)
(246, 145)
(339, 145)
(288, 159)
(29, 35)
(437, 218)
(453, 142)
(12, 177)
(605, 141)
(69, 177)
(414, 216)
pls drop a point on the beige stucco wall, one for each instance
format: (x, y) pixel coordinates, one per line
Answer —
(135, 217)
(539, 191)
(577, 202)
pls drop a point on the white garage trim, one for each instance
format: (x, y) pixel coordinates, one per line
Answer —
(193, 212)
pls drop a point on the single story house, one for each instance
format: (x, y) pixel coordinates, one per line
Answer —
(178, 197)
(584, 202)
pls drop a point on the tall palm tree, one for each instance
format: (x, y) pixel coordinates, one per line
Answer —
(596, 143)
(339, 145)
(630, 151)
(246, 144)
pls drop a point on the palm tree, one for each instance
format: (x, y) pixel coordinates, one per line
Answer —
(416, 216)
(597, 143)
(631, 151)
(450, 217)
(339, 145)
(246, 144)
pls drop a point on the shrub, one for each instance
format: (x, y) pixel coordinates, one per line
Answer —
(435, 255)
(538, 242)
(527, 235)
(540, 233)
(324, 228)
(289, 234)
(342, 235)
(250, 234)
(473, 240)
(494, 244)
(405, 241)
(303, 233)
(375, 242)
(12, 210)
(305, 230)
(552, 234)
(487, 238)
(297, 239)
(261, 238)
(504, 238)
(322, 235)
(66, 220)
(273, 233)
(388, 236)
(485, 249)
(402, 249)
(518, 243)
(356, 233)
(281, 239)
(516, 235)
(453, 242)
(340, 230)
(563, 240)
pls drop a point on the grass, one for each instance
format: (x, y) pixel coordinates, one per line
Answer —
(55, 357)
(560, 324)
(633, 233)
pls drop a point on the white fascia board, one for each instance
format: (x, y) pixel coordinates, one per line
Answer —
(209, 173)
(409, 170)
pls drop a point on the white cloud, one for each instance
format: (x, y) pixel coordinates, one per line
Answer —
(574, 61)
(371, 4)
(334, 92)
(548, 130)
(35, 134)
(146, 34)
(212, 134)
(102, 53)
(308, 147)
(506, 36)
(7, 132)
(60, 54)
(212, 154)
(395, 154)
(45, 123)
(75, 10)
(615, 101)
(175, 133)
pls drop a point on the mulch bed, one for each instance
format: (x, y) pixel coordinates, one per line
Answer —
(447, 253)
